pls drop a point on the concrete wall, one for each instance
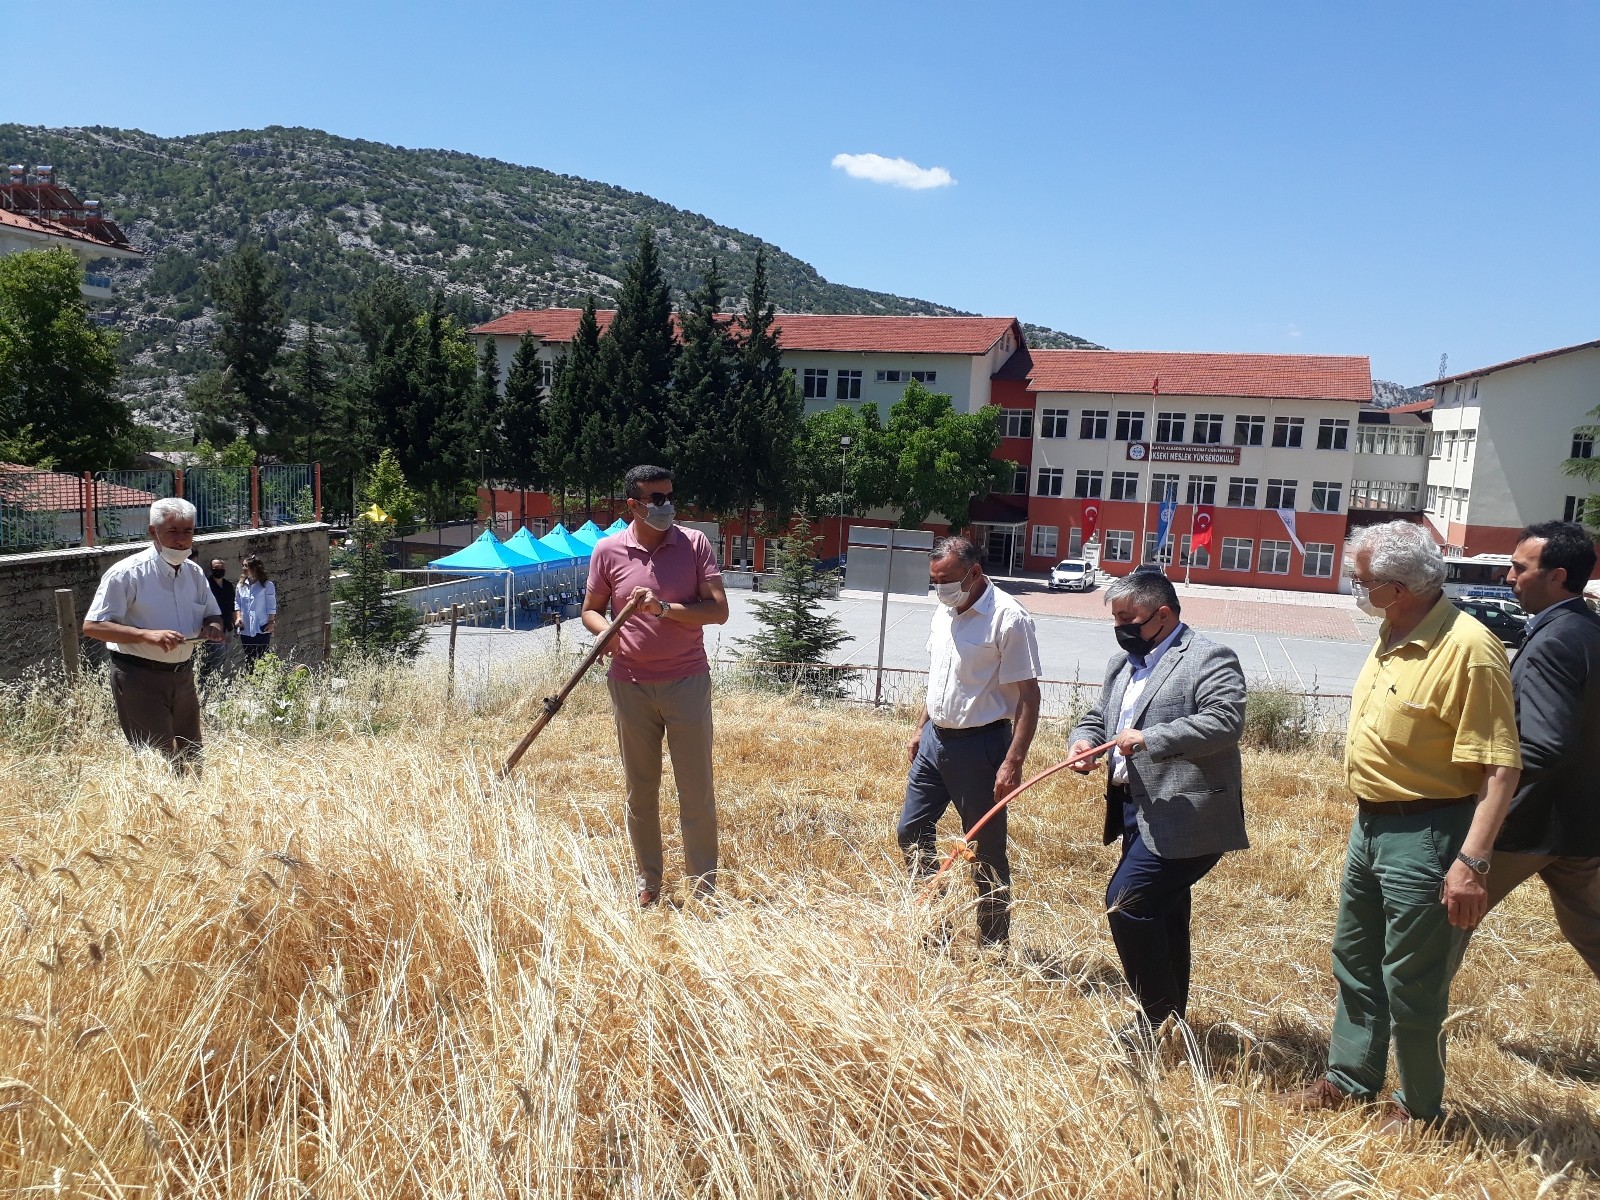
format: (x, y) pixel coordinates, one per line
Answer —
(296, 556)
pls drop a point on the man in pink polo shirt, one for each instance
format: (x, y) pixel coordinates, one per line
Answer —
(660, 681)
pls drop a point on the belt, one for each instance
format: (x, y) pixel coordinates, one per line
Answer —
(1389, 808)
(949, 735)
(149, 664)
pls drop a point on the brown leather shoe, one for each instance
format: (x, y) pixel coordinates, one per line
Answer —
(1320, 1095)
(647, 897)
(1396, 1120)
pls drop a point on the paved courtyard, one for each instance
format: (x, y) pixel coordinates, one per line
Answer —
(1313, 644)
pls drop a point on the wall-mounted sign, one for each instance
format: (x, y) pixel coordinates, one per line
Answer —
(1160, 452)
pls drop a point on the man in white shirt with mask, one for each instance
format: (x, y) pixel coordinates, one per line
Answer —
(976, 727)
(152, 609)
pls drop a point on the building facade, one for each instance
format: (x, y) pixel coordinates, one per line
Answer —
(1500, 437)
(1262, 445)
(37, 213)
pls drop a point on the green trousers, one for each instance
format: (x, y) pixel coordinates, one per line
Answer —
(1394, 954)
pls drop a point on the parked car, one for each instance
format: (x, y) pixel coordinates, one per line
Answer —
(1072, 575)
(1508, 628)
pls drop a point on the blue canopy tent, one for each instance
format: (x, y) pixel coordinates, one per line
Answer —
(559, 567)
(588, 532)
(488, 553)
(489, 556)
(616, 526)
(559, 540)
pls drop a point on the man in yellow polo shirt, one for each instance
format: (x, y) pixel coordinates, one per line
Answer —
(1432, 758)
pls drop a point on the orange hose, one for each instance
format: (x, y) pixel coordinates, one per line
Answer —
(965, 848)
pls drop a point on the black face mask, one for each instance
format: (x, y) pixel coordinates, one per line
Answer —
(1134, 642)
(219, 573)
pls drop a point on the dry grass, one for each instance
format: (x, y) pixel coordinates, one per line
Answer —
(350, 964)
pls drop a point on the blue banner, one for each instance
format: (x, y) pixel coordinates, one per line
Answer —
(1169, 506)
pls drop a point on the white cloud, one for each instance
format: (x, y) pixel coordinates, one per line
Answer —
(896, 172)
(1294, 330)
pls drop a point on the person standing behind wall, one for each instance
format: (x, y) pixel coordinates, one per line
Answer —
(257, 597)
(151, 609)
(660, 679)
(222, 589)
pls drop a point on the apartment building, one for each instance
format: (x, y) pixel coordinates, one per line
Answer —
(1500, 436)
(1391, 463)
(38, 213)
(1260, 447)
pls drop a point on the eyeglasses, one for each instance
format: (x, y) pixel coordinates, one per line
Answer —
(656, 498)
(1369, 584)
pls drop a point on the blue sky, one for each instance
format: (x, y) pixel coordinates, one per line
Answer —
(1380, 178)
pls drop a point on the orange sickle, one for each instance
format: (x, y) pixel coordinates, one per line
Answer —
(964, 849)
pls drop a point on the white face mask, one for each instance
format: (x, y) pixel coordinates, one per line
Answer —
(951, 594)
(1363, 599)
(173, 558)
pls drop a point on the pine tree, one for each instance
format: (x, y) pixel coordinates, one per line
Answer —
(637, 354)
(312, 382)
(701, 409)
(522, 418)
(795, 632)
(372, 624)
(251, 329)
(443, 422)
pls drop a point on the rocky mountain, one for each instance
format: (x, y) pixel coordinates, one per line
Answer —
(1387, 395)
(338, 212)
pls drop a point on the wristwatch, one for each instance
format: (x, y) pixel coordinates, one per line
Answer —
(662, 611)
(1480, 865)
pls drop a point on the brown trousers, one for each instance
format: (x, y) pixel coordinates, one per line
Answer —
(159, 708)
(681, 710)
(1574, 885)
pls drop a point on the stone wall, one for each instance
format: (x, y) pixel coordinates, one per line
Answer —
(295, 556)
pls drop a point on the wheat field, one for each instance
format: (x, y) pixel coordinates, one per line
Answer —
(349, 962)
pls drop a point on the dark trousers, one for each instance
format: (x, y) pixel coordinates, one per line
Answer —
(1147, 904)
(255, 645)
(159, 708)
(961, 771)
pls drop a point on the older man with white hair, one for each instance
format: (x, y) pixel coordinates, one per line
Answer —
(151, 609)
(1432, 760)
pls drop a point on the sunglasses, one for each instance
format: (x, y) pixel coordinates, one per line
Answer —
(655, 498)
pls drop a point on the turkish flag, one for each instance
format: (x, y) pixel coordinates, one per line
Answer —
(1091, 519)
(1202, 526)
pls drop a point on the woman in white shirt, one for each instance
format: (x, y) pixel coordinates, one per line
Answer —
(256, 615)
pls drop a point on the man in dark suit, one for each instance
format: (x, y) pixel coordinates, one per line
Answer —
(1173, 701)
(1553, 828)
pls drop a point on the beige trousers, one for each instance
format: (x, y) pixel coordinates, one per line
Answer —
(1574, 885)
(680, 709)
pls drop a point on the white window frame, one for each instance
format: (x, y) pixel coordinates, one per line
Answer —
(1170, 427)
(1201, 489)
(1117, 545)
(1247, 487)
(1292, 429)
(1089, 485)
(1249, 429)
(1317, 562)
(1130, 425)
(1097, 421)
(1016, 422)
(1050, 481)
(847, 385)
(1326, 495)
(1287, 492)
(1337, 431)
(1275, 557)
(1125, 486)
(814, 383)
(1232, 547)
(1055, 422)
(1207, 429)
(1044, 541)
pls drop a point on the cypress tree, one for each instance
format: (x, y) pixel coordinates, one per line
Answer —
(770, 410)
(637, 354)
(580, 448)
(372, 623)
(251, 328)
(522, 418)
(312, 383)
(701, 409)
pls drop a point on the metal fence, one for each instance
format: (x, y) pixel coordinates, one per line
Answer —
(47, 510)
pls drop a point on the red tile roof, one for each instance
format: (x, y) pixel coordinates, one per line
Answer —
(1515, 362)
(806, 331)
(38, 225)
(1269, 376)
(35, 490)
(1416, 406)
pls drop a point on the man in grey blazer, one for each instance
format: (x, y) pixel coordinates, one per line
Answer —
(1173, 701)
(1553, 828)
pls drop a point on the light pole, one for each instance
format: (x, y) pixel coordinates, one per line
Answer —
(483, 480)
(844, 448)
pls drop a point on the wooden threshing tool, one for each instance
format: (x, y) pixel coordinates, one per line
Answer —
(552, 704)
